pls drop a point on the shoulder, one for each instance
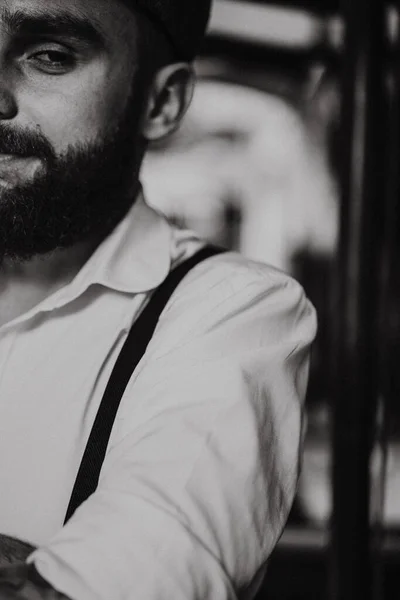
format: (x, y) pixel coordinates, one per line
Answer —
(230, 291)
(231, 272)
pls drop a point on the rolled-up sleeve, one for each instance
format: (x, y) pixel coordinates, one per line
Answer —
(203, 462)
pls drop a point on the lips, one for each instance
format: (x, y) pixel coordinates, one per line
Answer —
(17, 170)
(8, 157)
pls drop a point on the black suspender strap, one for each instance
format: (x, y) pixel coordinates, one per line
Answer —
(131, 354)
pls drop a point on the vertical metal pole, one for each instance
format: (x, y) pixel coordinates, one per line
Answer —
(389, 263)
(355, 381)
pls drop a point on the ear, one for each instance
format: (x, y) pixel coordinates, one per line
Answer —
(169, 98)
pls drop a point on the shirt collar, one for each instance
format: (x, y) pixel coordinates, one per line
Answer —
(135, 257)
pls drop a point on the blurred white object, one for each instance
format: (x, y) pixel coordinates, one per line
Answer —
(243, 147)
(266, 24)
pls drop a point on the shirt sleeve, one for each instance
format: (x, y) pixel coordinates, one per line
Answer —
(203, 461)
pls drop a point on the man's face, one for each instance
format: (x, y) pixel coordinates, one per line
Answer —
(69, 121)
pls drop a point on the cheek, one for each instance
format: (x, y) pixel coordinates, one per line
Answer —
(73, 110)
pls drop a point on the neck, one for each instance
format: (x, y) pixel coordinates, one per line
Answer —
(23, 285)
(55, 268)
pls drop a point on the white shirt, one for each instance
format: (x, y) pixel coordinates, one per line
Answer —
(202, 463)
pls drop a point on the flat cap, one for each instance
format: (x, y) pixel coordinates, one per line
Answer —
(183, 21)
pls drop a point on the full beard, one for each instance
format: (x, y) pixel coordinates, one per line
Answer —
(76, 197)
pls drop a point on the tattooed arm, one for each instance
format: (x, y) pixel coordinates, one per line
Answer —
(18, 580)
(13, 551)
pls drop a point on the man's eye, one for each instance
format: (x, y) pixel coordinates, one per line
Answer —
(53, 61)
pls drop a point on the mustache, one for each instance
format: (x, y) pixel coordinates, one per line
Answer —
(25, 143)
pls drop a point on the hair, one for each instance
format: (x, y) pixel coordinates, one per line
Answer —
(155, 49)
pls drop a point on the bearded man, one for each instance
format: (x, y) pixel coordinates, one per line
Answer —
(149, 431)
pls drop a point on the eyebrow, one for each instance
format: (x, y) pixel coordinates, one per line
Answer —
(64, 23)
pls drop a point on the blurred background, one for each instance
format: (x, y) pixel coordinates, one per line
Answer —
(257, 167)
